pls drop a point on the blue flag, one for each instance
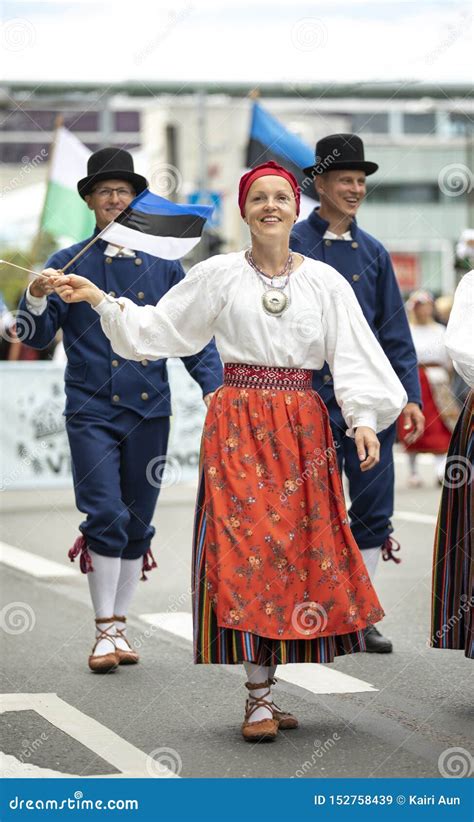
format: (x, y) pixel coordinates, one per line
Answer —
(270, 140)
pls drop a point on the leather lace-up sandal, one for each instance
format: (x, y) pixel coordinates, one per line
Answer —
(128, 657)
(105, 662)
(286, 721)
(263, 730)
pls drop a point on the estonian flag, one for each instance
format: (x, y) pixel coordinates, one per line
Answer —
(158, 226)
(270, 140)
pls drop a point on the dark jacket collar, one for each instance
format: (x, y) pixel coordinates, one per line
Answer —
(321, 226)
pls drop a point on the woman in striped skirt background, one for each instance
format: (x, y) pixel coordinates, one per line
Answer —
(277, 575)
(452, 622)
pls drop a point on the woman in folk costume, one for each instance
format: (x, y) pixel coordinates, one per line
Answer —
(452, 612)
(439, 405)
(277, 575)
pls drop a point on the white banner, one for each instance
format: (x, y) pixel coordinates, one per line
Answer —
(34, 449)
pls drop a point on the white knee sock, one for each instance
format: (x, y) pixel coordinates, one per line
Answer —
(103, 586)
(255, 675)
(130, 570)
(371, 557)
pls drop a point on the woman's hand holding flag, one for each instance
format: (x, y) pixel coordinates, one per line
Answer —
(74, 289)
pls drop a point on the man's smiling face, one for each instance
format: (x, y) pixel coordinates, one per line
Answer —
(108, 199)
(341, 192)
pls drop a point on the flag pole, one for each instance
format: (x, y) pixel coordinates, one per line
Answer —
(22, 268)
(35, 246)
(99, 235)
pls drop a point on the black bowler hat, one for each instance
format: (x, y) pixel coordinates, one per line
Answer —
(110, 164)
(339, 151)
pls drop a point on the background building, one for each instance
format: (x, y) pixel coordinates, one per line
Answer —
(190, 142)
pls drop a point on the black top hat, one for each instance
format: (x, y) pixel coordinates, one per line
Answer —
(110, 164)
(340, 151)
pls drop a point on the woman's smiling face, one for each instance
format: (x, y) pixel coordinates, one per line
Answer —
(270, 207)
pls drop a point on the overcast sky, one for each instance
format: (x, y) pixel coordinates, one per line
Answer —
(263, 40)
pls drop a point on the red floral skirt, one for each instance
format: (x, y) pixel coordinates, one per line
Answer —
(276, 571)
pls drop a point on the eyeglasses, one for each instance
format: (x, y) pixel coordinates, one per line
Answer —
(103, 193)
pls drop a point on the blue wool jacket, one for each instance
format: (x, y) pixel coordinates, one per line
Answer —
(366, 265)
(97, 380)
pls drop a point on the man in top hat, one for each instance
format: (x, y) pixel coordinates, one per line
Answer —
(117, 411)
(332, 235)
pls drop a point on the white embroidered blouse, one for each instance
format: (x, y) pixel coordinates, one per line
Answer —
(222, 298)
(459, 338)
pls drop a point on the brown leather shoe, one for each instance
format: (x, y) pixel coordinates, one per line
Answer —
(125, 657)
(105, 662)
(286, 721)
(264, 730)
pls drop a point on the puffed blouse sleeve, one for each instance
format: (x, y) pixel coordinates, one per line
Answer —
(365, 384)
(179, 325)
(459, 338)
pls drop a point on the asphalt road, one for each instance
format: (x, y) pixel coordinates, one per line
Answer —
(415, 708)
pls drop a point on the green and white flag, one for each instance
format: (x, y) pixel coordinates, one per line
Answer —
(65, 214)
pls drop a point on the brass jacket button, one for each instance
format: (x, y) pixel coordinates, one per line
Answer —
(355, 277)
(327, 378)
(327, 242)
(144, 396)
(138, 260)
(144, 362)
(115, 363)
(140, 295)
(108, 259)
(112, 294)
(355, 245)
(116, 398)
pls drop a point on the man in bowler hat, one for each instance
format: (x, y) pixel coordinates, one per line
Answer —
(332, 235)
(117, 411)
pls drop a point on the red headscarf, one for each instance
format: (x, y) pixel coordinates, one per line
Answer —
(264, 170)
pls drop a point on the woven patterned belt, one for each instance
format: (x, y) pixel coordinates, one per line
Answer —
(240, 375)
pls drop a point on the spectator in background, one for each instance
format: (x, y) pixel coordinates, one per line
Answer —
(452, 613)
(439, 407)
